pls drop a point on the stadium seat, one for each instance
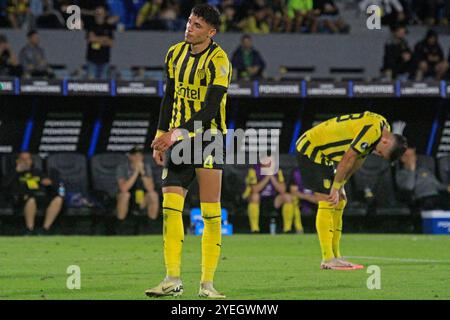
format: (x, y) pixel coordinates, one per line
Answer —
(60, 71)
(288, 162)
(374, 185)
(444, 169)
(156, 171)
(427, 161)
(296, 73)
(347, 73)
(233, 188)
(71, 168)
(103, 170)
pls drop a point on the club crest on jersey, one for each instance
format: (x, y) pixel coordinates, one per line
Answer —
(201, 74)
(326, 183)
(164, 174)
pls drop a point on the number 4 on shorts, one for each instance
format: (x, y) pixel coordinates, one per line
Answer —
(208, 163)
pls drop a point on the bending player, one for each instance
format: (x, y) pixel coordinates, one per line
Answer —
(198, 75)
(344, 141)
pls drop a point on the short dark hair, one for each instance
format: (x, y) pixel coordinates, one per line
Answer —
(246, 36)
(31, 33)
(399, 147)
(209, 13)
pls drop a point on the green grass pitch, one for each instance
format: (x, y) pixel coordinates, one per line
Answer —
(251, 267)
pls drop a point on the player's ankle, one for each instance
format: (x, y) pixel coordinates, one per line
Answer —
(169, 278)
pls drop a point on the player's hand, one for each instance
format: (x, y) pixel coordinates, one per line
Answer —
(46, 182)
(159, 157)
(333, 197)
(164, 142)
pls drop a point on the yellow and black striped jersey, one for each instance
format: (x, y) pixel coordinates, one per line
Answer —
(192, 75)
(327, 142)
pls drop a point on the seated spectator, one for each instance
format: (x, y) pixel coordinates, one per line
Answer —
(256, 21)
(398, 59)
(32, 58)
(431, 12)
(392, 12)
(228, 22)
(267, 192)
(280, 18)
(298, 193)
(247, 61)
(328, 17)
(427, 192)
(4, 16)
(31, 189)
(148, 16)
(159, 15)
(100, 39)
(136, 187)
(9, 64)
(430, 58)
(45, 15)
(302, 14)
(19, 14)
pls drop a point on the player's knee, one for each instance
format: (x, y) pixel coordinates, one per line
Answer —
(173, 202)
(124, 196)
(254, 198)
(211, 211)
(152, 197)
(423, 66)
(287, 198)
(58, 200)
(31, 201)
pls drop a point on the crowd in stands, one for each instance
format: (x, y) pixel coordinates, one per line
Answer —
(426, 61)
(32, 63)
(411, 12)
(251, 16)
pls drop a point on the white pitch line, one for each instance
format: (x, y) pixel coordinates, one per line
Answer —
(398, 259)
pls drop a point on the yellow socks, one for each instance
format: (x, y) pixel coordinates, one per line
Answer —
(211, 240)
(173, 233)
(287, 211)
(253, 216)
(325, 230)
(337, 223)
(297, 219)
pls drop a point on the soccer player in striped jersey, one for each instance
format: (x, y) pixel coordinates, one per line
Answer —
(198, 76)
(329, 154)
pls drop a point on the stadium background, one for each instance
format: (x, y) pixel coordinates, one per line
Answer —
(309, 78)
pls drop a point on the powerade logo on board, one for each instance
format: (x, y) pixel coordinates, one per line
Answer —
(444, 225)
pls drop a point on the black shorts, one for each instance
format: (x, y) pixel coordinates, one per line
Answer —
(179, 168)
(315, 177)
(42, 198)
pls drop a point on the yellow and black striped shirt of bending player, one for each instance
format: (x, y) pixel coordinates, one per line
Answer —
(196, 88)
(327, 142)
